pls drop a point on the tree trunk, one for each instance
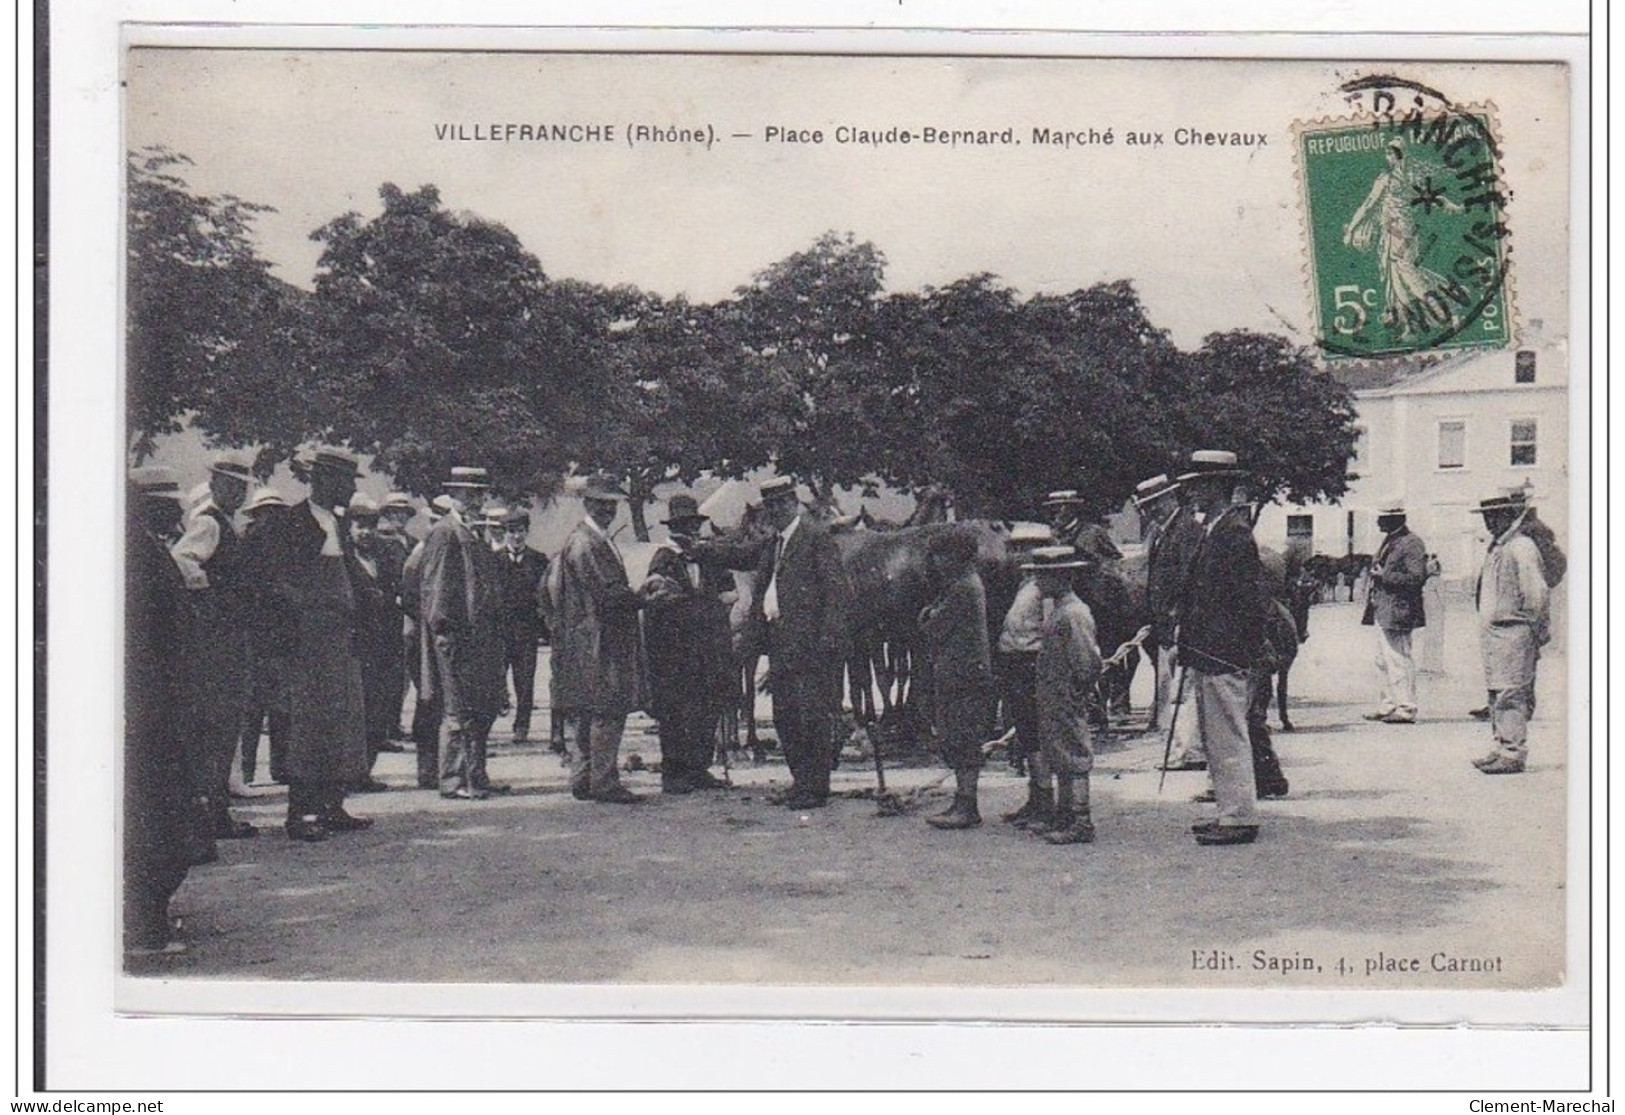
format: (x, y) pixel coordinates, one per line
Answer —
(640, 525)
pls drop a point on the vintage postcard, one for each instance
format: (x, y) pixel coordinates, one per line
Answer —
(1073, 524)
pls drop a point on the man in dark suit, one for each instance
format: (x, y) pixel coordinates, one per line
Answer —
(802, 596)
(1221, 636)
(689, 645)
(1394, 607)
(311, 588)
(523, 571)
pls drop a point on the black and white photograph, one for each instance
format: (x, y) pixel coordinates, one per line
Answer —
(996, 527)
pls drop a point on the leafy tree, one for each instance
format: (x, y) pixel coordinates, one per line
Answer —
(205, 316)
(1290, 423)
(682, 398)
(808, 322)
(435, 338)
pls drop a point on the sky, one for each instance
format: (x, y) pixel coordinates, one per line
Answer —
(1213, 237)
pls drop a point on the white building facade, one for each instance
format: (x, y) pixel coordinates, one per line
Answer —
(1438, 441)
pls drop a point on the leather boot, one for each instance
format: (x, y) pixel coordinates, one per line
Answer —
(964, 814)
(1080, 828)
(1043, 814)
(1036, 801)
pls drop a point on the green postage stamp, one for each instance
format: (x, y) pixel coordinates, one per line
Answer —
(1408, 247)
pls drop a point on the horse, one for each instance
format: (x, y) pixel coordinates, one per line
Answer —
(890, 585)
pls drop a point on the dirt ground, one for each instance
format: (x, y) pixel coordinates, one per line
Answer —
(1391, 846)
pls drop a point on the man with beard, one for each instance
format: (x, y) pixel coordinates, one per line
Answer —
(460, 623)
(313, 595)
(690, 654)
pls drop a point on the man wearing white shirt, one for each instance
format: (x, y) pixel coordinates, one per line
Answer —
(210, 556)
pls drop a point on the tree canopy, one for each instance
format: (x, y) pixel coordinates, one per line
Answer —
(433, 337)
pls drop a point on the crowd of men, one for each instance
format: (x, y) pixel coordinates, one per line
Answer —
(315, 619)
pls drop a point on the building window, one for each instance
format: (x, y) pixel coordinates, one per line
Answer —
(1524, 437)
(1453, 443)
(1523, 371)
(1300, 526)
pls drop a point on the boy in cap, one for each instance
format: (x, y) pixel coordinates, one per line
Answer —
(523, 575)
(1068, 667)
(954, 627)
(1514, 602)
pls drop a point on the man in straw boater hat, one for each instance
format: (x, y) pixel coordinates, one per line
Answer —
(1020, 637)
(1170, 539)
(1065, 674)
(164, 835)
(460, 626)
(1514, 616)
(1073, 526)
(691, 673)
(311, 590)
(1221, 636)
(521, 579)
(597, 644)
(211, 557)
(1394, 606)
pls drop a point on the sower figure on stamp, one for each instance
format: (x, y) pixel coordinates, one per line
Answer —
(210, 556)
(164, 836)
(597, 645)
(691, 676)
(459, 623)
(523, 573)
(954, 632)
(1068, 668)
(1221, 635)
(1020, 637)
(313, 596)
(1394, 607)
(1514, 616)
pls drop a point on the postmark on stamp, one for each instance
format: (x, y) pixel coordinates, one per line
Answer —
(1407, 236)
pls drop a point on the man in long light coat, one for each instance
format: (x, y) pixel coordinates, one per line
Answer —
(597, 647)
(459, 620)
(1513, 618)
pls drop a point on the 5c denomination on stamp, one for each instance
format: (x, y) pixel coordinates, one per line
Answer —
(1407, 237)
